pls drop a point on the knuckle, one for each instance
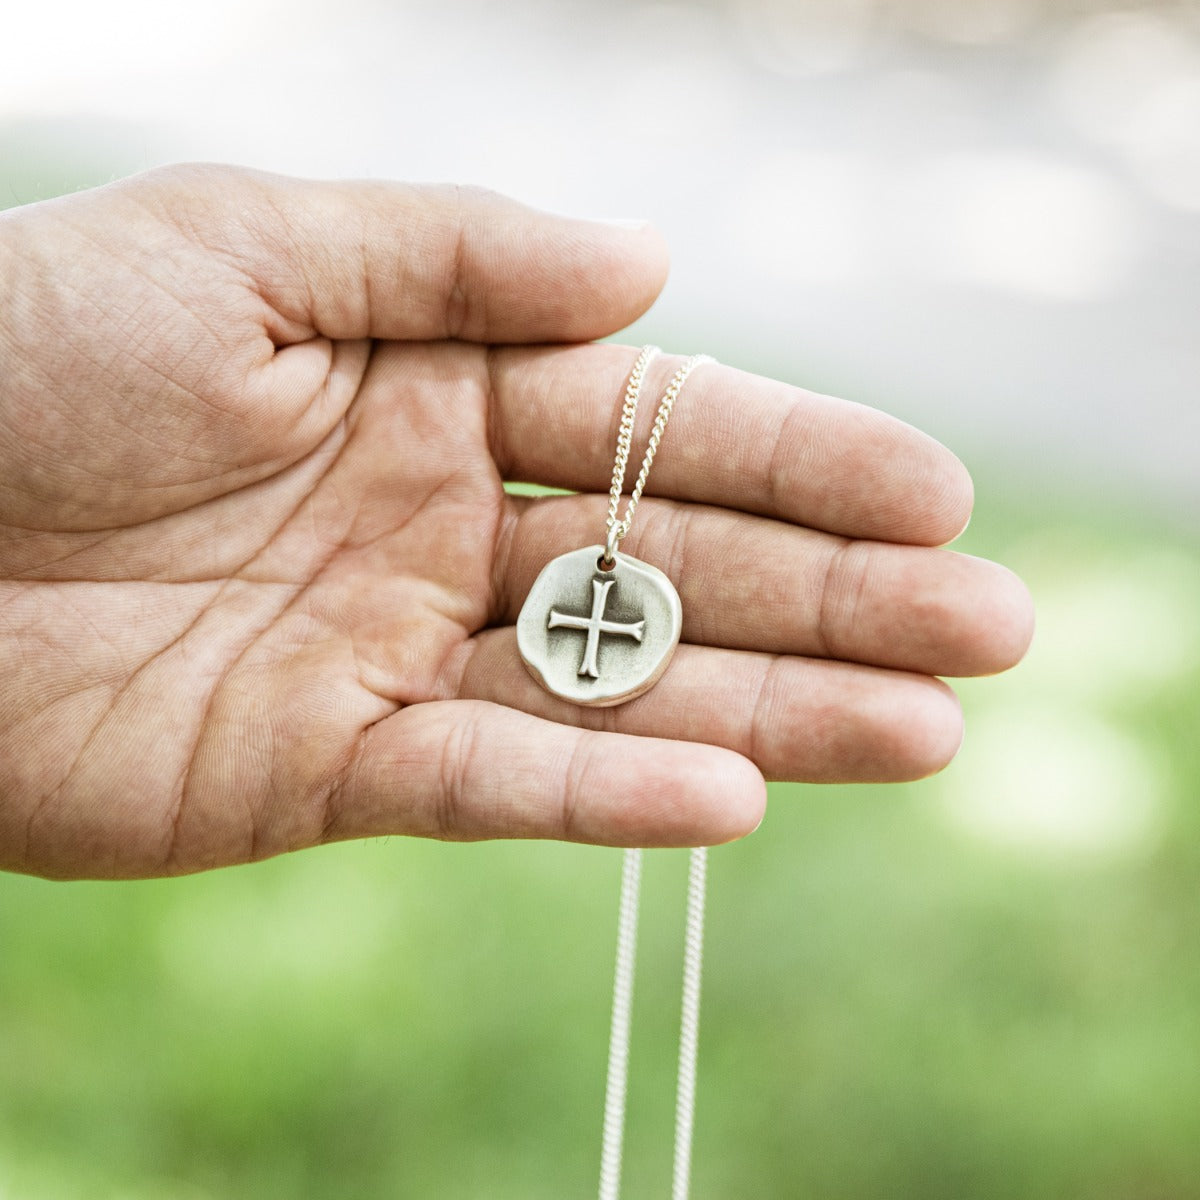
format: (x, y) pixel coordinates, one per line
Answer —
(841, 594)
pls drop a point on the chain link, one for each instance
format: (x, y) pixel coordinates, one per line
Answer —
(617, 529)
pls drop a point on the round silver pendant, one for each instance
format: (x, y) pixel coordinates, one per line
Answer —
(599, 637)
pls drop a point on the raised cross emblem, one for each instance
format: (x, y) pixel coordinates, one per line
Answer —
(595, 625)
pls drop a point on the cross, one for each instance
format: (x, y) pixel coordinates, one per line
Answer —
(595, 625)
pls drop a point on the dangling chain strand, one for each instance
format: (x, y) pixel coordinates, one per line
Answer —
(689, 1024)
(618, 1040)
(622, 1012)
(618, 529)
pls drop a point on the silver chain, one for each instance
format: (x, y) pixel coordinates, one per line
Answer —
(617, 529)
(627, 919)
(622, 1010)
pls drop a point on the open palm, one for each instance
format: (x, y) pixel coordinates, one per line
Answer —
(259, 573)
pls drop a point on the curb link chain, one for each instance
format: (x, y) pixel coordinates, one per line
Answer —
(618, 529)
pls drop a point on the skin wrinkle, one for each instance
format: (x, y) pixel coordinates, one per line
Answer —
(344, 782)
(240, 569)
(256, 807)
(432, 494)
(426, 503)
(49, 800)
(572, 789)
(456, 306)
(829, 589)
(367, 275)
(343, 434)
(158, 285)
(274, 241)
(52, 701)
(493, 426)
(170, 861)
(102, 539)
(177, 218)
(321, 570)
(501, 523)
(755, 734)
(453, 679)
(321, 396)
(97, 634)
(31, 715)
(171, 487)
(66, 411)
(776, 501)
(139, 345)
(515, 511)
(675, 560)
(457, 760)
(177, 813)
(511, 511)
(291, 252)
(180, 355)
(261, 845)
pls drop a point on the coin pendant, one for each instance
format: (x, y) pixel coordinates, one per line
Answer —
(599, 637)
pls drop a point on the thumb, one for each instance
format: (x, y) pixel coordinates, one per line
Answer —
(417, 262)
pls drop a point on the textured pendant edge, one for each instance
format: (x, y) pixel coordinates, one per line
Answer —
(675, 606)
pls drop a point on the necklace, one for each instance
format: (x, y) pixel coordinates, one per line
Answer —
(636, 608)
(628, 610)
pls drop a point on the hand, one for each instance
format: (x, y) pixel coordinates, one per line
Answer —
(258, 573)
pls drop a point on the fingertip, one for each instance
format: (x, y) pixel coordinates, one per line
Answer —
(983, 618)
(924, 489)
(654, 256)
(951, 498)
(696, 795)
(633, 260)
(737, 795)
(1011, 619)
(914, 732)
(933, 731)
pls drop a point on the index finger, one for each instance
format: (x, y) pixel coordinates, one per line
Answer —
(734, 439)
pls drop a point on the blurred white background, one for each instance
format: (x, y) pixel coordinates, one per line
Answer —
(983, 215)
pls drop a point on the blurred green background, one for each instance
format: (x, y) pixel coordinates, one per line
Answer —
(985, 985)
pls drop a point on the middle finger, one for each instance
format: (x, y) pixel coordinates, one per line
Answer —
(752, 583)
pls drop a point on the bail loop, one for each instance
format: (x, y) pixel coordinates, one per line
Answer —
(610, 545)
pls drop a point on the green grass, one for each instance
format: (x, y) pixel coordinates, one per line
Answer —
(982, 986)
